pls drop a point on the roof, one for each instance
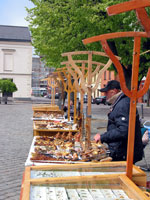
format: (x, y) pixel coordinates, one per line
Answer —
(14, 33)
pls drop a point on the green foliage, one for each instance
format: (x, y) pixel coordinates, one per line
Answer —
(7, 86)
(59, 26)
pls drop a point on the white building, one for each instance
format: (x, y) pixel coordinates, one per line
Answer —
(16, 58)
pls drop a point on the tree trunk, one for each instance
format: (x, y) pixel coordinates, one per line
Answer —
(5, 97)
(148, 97)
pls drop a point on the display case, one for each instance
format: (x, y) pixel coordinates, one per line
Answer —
(51, 132)
(52, 127)
(112, 187)
(86, 169)
(46, 108)
(47, 115)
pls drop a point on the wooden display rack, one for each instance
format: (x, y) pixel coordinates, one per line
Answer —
(69, 87)
(46, 108)
(73, 87)
(110, 181)
(51, 109)
(48, 132)
(53, 83)
(76, 78)
(86, 85)
(103, 168)
(133, 94)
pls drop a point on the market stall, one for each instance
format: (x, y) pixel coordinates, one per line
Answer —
(81, 178)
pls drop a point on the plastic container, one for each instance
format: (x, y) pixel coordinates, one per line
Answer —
(147, 126)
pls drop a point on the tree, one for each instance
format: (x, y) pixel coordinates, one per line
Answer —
(59, 26)
(7, 86)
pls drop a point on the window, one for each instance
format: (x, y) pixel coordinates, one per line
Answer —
(109, 75)
(105, 75)
(8, 59)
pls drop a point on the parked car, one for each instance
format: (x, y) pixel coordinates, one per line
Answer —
(99, 100)
(86, 98)
(57, 96)
(48, 96)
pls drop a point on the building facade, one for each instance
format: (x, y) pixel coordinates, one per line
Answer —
(16, 58)
(39, 72)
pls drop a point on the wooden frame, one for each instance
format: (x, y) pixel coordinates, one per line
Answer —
(110, 182)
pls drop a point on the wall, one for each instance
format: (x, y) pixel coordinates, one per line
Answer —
(16, 64)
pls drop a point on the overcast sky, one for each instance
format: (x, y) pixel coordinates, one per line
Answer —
(13, 12)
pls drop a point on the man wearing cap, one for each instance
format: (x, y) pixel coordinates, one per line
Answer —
(117, 128)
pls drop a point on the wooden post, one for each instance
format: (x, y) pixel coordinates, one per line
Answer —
(69, 84)
(132, 115)
(75, 106)
(89, 91)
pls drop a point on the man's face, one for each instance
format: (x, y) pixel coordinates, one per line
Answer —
(110, 93)
(71, 103)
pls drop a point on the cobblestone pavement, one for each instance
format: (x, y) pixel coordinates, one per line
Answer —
(16, 133)
(16, 136)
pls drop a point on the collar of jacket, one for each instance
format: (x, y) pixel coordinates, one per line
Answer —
(117, 98)
(113, 98)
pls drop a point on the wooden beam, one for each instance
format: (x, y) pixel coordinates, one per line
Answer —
(127, 6)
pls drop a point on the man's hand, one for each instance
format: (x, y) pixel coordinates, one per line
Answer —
(97, 137)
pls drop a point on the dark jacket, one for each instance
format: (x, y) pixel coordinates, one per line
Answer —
(71, 110)
(117, 131)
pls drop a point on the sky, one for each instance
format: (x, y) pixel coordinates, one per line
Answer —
(13, 12)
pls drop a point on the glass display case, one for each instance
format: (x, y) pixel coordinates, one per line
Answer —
(112, 187)
(87, 169)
